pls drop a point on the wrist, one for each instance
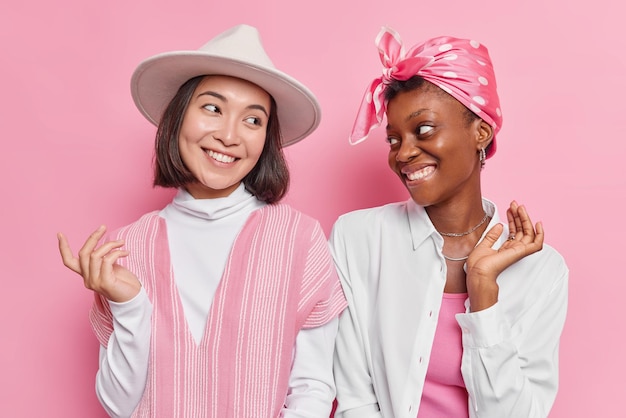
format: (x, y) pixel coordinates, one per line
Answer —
(124, 293)
(482, 294)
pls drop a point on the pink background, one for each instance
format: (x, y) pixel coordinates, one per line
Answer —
(76, 154)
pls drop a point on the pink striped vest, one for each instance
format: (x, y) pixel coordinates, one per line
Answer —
(279, 278)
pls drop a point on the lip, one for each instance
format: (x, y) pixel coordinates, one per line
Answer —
(416, 174)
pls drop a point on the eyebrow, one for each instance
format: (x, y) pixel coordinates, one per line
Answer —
(415, 114)
(411, 116)
(222, 98)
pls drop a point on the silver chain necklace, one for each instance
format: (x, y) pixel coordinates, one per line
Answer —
(462, 234)
(455, 258)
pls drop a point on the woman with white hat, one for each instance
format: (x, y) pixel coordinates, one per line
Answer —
(453, 311)
(225, 302)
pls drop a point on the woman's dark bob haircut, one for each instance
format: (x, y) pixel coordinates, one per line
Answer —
(268, 180)
(416, 82)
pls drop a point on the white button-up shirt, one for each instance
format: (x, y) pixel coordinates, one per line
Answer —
(390, 262)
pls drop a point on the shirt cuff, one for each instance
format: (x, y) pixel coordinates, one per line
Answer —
(133, 313)
(484, 328)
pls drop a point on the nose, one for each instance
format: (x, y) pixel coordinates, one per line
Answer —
(407, 151)
(228, 132)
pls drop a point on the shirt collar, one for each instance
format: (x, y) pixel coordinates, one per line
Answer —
(421, 227)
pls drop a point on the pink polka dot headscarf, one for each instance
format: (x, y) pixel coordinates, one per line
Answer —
(460, 67)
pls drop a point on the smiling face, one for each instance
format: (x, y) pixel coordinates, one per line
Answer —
(223, 133)
(433, 145)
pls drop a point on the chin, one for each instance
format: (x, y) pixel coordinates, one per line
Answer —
(420, 199)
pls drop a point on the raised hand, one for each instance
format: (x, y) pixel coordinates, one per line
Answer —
(98, 267)
(485, 263)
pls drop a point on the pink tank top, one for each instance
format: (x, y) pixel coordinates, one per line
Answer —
(444, 390)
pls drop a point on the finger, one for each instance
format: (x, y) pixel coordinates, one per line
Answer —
(108, 262)
(491, 236)
(98, 258)
(511, 219)
(527, 225)
(84, 255)
(540, 235)
(515, 208)
(107, 253)
(107, 247)
(530, 247)
(112, 257)
(69, 260)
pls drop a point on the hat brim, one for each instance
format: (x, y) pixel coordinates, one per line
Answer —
(156, 80)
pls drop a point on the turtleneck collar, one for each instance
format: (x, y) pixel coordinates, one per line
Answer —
(240, 200)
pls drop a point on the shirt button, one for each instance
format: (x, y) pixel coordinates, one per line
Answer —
(430, 314)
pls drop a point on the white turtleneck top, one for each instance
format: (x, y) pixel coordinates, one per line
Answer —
(198, 261)
(197, 257)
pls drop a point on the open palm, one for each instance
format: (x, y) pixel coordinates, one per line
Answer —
(524, 239)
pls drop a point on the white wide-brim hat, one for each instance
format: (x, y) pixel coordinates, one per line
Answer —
(237, 52)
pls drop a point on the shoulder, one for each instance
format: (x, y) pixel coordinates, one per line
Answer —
(364, 221)
(546, 259)
(544, 269)
(282, 217)
(539, 273)
(281, 209)
(146, 222)
(286, 212)
(549, 260)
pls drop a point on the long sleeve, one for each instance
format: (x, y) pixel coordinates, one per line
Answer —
(311, 384)
(123, 370)
(390, 264)
(357, 399)
(511, 369)
(355, 391)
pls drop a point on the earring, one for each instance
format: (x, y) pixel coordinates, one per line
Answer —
(482, 158)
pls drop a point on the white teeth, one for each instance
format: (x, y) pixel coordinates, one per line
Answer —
(420, 174)
(221, 157)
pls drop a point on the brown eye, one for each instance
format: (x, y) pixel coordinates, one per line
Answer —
(212, 108)
(254, 120)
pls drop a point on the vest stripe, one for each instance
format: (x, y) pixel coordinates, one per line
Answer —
(279, 278)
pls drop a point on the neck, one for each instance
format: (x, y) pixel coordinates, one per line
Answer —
(458, 217)
(461, 226)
